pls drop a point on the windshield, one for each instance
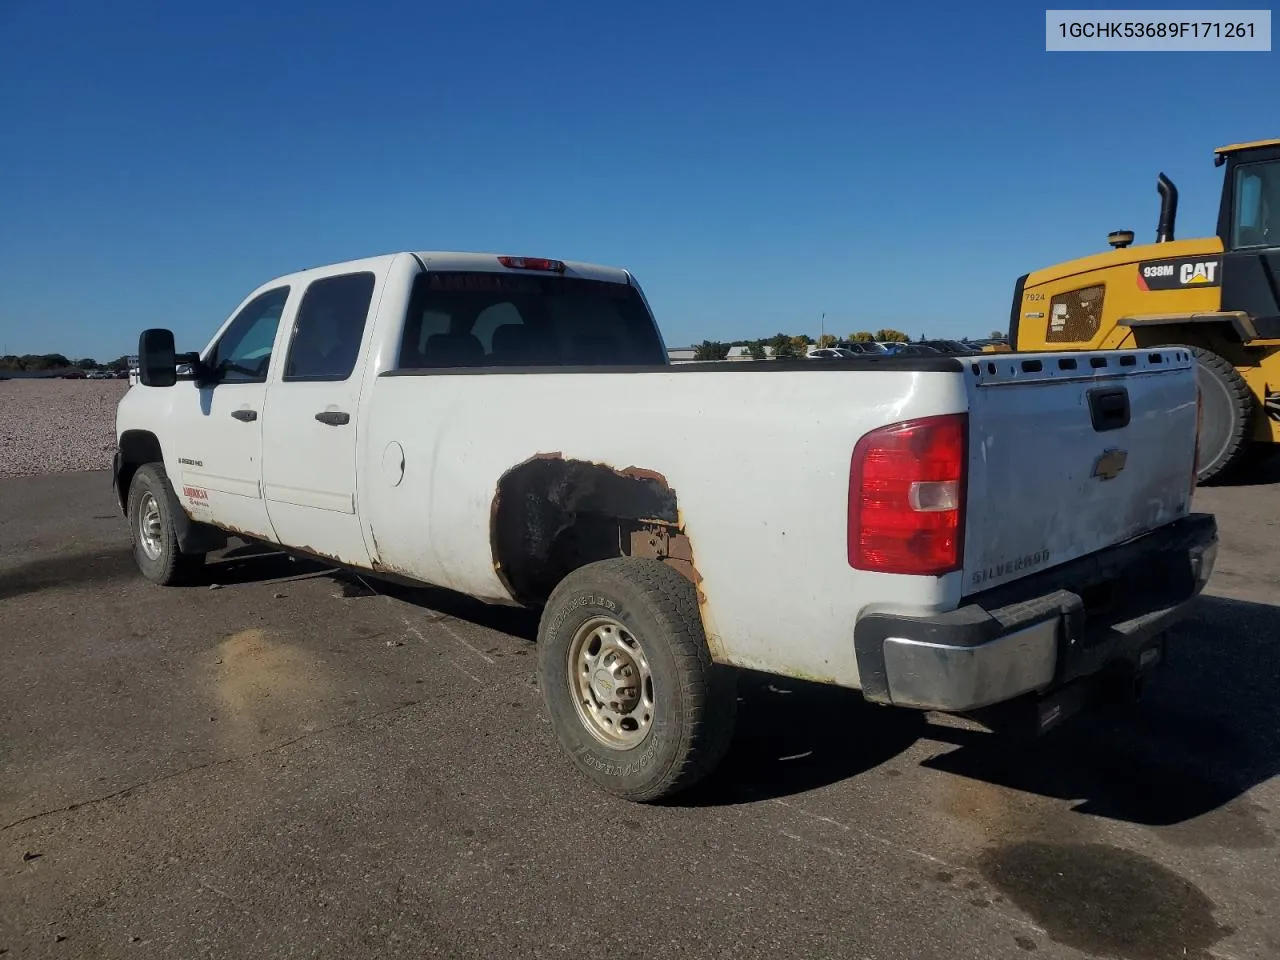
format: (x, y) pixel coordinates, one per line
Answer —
(1257, 199)
(478, 318)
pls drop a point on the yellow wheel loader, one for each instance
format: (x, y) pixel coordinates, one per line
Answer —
(1218, 295)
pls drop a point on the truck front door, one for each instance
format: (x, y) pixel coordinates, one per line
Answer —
(309, 432)
(218, 440)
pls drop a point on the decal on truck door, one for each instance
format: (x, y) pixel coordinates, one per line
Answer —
(197, 497)
(1180, 273)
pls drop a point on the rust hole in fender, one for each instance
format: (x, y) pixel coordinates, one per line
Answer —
(551, 515)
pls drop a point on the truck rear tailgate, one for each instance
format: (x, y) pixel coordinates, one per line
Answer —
(1073, 452)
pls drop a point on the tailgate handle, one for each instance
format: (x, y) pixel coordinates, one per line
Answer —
(1109, 408)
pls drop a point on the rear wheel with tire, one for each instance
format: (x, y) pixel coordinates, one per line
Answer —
(151, 528)
(628, 681)
(1226, 415)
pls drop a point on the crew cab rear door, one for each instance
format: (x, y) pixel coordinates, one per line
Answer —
(309, 429)
(1073, 452)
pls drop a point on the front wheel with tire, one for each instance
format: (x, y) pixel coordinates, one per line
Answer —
(628, 681)
(1227, 408)
(151, 528)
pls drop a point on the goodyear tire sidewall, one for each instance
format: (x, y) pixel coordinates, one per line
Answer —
(622, 771)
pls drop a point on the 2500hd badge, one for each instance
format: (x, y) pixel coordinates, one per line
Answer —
(1025, 562)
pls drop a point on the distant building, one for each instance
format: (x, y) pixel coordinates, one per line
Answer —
(744, 353)
(688, 354)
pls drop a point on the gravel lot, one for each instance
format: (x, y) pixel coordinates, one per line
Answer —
(56, 426)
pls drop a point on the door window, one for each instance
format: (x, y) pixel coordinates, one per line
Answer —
(330, 327)
(243, 352)
(1257, 200)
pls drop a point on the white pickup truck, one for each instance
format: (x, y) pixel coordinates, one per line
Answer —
(940, 533)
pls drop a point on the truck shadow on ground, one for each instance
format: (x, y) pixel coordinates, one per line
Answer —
(1204, 735)
(1264, 470)
(793, 736)
(254, 563)
(93, 568)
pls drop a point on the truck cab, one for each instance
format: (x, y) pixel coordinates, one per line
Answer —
(286, 371)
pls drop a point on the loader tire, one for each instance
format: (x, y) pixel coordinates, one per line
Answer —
(1227, 412)
(628, 681)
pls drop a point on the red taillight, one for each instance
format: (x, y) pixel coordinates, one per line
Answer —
(532, 263)
(906, 497)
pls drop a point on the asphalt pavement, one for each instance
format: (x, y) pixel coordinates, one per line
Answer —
(287, 763)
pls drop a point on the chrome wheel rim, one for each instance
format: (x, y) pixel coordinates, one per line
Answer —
(149, 530)
(611, 683)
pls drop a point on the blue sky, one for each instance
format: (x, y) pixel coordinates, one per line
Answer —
(754, 164)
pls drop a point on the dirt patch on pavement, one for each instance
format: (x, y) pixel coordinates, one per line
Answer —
(264, 686)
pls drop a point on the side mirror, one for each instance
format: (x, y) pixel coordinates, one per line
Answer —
(157, 361)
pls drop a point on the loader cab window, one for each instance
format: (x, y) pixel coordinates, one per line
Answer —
(1256, 221)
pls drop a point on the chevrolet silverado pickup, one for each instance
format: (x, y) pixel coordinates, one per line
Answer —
(1008, 526)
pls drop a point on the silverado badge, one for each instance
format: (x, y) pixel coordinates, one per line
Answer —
(1110, 463)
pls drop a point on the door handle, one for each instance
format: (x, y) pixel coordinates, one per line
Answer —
(245, 415)
(333, 418)
(1109, 408)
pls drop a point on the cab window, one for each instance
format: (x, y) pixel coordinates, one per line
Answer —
(330, 328)
(1257, 199)
(243, 352)
(480, 318)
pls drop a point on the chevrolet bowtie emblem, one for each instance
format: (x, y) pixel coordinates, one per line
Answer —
(1110, 463)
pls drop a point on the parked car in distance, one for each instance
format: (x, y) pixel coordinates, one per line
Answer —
(861, 346)
(904, 349)
(513, 429)
(955, 348)
(845, 349)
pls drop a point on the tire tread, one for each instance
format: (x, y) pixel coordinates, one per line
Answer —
(1242, 402)
(706, 690)
(176, 568)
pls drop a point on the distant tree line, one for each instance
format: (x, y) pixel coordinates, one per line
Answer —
(41, 362)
